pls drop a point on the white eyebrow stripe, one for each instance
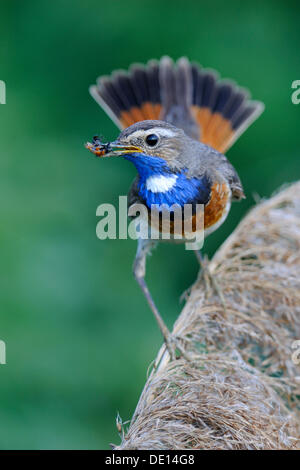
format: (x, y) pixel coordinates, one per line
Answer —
(161, 183)
(155, 130)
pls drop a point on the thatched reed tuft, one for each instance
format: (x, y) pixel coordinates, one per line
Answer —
(241, 388)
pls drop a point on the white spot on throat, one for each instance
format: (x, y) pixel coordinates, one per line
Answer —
(160, 183)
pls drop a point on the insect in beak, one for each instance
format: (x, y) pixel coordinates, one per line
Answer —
(110, 149)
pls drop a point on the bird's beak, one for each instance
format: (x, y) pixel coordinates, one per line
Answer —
(110, 149)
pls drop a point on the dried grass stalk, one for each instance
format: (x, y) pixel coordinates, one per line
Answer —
(240, 389)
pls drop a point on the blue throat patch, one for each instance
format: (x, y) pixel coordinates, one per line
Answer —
(147, 165)
(185, 190)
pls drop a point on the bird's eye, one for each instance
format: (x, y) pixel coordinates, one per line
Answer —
(151, 140)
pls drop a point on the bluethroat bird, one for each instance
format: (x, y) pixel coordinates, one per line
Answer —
(177, 121)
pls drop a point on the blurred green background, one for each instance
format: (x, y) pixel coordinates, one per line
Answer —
(78, 332)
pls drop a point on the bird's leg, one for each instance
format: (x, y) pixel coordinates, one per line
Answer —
(208, 276)
(139, 271)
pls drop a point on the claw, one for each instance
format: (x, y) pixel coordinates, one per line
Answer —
(172, 344)
(208, 276)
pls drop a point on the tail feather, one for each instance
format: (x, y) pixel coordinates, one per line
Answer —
(205, 101)
(216, 111)
(142, 92)
(184, 83)
(167, 81)
(152, 71)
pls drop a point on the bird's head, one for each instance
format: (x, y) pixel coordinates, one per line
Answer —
(151, 145)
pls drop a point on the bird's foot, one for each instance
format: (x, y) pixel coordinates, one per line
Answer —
(210, 280)
(206, 275)
(175, 347)
(185, 294)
